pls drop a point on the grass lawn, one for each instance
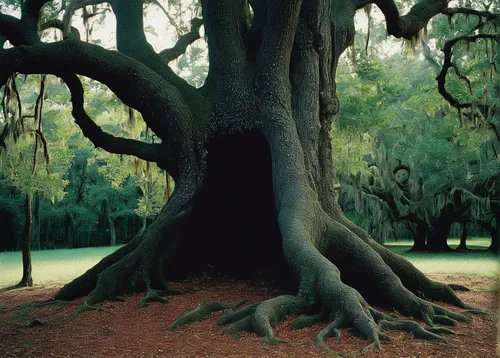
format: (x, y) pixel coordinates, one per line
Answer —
(468, 263)
(61, 266)
(56, 266)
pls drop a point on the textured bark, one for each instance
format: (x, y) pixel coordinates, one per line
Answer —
(27, 279)
(250, 154)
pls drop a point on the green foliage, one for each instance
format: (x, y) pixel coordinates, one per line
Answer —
(392, 113)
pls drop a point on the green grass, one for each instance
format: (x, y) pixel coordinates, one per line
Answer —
(61, 266)
(58, 266)
(468, 263)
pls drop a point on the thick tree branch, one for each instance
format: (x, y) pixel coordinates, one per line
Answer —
(409, 25)
(131, 40)
(160, 103)
(11, 28)
(106, 141)
(183, 42)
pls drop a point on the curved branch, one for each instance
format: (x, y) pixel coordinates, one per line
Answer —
(162, 106)
(183, 42)
(441, 78)
(106, 141)
(416, 19)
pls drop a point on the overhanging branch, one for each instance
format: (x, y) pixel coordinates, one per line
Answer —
(106, 141)
(159, 99)
(416, 19)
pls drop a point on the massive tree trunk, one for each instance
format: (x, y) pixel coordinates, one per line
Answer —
(250, 154)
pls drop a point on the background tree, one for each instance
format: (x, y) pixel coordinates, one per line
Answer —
(266, 107)
(25, 161)
(417, 174)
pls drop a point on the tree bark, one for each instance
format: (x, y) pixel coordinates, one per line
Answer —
(27, 279)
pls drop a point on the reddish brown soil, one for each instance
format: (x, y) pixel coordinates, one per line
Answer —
(123, 330)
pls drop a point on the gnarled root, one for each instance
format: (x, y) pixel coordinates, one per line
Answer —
(136, 266)
(266, 316)
(411, 326)
(201, 312)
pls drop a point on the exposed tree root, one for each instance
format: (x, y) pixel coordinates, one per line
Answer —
(153, 296)
(411, 326)
(267, 315)
(201, 312)
(234, 316)
(84, 284)
(440, 330)
(330, 331)
(21, 284)
(476, 312)
(86, 307)
(439, 319)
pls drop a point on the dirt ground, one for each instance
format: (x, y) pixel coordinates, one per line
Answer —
(124, 330)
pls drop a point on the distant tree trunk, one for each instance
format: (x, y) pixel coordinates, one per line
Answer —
(437, 240)
(112, 231)
(27, 279)
(463, 238)
(38, 221)
(419, 238)
(46, 242)
(495, 207)
(88, 235)
(67, 230)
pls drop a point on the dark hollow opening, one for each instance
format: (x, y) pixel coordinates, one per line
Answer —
(235, 226)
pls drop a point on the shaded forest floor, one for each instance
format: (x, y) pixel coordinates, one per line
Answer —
(124, 330)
